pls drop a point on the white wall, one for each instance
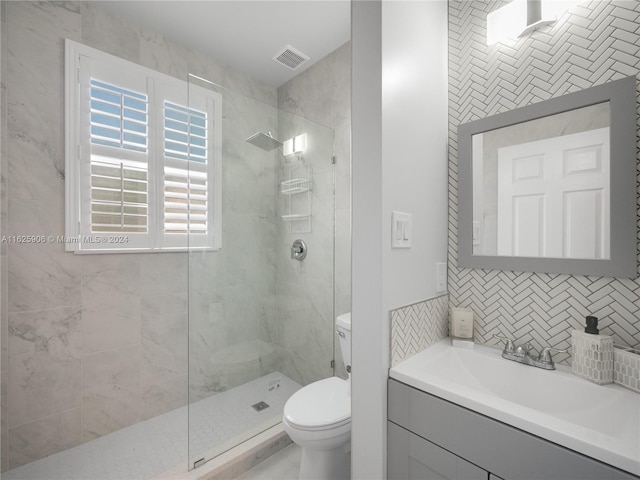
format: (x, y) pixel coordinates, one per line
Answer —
(414, 144)
(368, 401)
(399, 135)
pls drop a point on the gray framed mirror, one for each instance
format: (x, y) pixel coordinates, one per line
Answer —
(551, 187)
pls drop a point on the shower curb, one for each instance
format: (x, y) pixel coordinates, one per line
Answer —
(238, 460)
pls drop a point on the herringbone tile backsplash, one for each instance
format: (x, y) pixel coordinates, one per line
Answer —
(415, 327)
(593, 43)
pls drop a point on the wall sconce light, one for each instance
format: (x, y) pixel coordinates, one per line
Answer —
(287, 147)
(300, 143)
(521, 17)
(295, 145)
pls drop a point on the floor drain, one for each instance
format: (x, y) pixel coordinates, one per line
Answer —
(258, 407)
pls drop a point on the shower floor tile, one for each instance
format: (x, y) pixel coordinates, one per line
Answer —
(151, 447)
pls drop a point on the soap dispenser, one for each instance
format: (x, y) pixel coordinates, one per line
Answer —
(592, 353)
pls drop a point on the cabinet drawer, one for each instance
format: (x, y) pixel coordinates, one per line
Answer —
(414, 458)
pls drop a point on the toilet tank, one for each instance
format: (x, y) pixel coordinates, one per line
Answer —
(343, 327)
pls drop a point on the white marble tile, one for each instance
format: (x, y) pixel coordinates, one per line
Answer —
(163, 397)
(207, 330)
(110, 301)
(249, 87)
(208, 69)
(205, 381)
(293, 94)
(315, 363)
(165, 273)
(110, 34)
(40, 385)
(35, 172)
(164, 338)
(163, 55)
(321, 93)
(241, 373)
(42, 276)
(34, 72)
(342, 86)
(207, 275)
(44, 368)
(343, 261)
(38, 218)
(109, 328)
(111, 396)
(103, 275)
(44, 437)
(343, 165)
(55, 332)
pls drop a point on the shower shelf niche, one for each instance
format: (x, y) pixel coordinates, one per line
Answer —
(298, 199)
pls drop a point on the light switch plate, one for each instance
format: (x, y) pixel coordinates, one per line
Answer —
(401, 227)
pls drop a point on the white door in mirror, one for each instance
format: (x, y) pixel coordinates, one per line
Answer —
(553, 197)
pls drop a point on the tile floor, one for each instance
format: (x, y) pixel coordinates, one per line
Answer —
(284, 465)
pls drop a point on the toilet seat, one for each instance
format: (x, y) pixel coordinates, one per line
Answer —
(321, 405)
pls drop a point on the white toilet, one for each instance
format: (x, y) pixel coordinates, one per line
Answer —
(318, 418)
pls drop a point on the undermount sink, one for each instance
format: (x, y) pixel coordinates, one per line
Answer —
(602, 421)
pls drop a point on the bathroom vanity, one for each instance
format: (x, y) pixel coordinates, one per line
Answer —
(469, 414)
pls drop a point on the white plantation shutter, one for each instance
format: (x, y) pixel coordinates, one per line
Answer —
(185, 170)
(119, 146)
(119, 197)
(143, 158)
(191, 145)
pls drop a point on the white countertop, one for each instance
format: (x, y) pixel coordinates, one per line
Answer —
(600, 421)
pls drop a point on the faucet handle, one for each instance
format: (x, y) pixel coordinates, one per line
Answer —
(523, 349)
(508, 346)
(545, 354)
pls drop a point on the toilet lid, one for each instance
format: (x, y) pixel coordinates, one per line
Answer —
(319, 405)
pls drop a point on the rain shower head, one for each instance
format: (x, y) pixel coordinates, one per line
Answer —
(265, 141)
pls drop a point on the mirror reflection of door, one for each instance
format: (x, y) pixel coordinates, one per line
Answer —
(553, 197)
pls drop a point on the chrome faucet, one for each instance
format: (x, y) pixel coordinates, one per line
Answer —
(521, 354)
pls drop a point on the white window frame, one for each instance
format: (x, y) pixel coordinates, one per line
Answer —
(83, 63)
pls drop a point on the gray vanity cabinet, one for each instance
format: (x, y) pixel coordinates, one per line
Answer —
(431, 438)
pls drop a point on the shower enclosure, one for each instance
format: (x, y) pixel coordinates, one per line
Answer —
(261, 321)
(120, 363)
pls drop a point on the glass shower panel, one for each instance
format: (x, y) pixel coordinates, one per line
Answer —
(260, 322)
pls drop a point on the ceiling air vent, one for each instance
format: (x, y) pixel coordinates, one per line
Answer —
(290, 57)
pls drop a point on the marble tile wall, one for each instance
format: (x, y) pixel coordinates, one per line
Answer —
(321, 95)
(304, 326)
(94, 343)
(232, 292)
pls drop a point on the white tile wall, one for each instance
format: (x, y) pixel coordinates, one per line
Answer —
(415, 327)
(594, 42)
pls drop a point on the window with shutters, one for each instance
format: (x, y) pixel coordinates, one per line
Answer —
(143, 158)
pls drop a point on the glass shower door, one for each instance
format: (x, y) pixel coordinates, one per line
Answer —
(260, 322)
